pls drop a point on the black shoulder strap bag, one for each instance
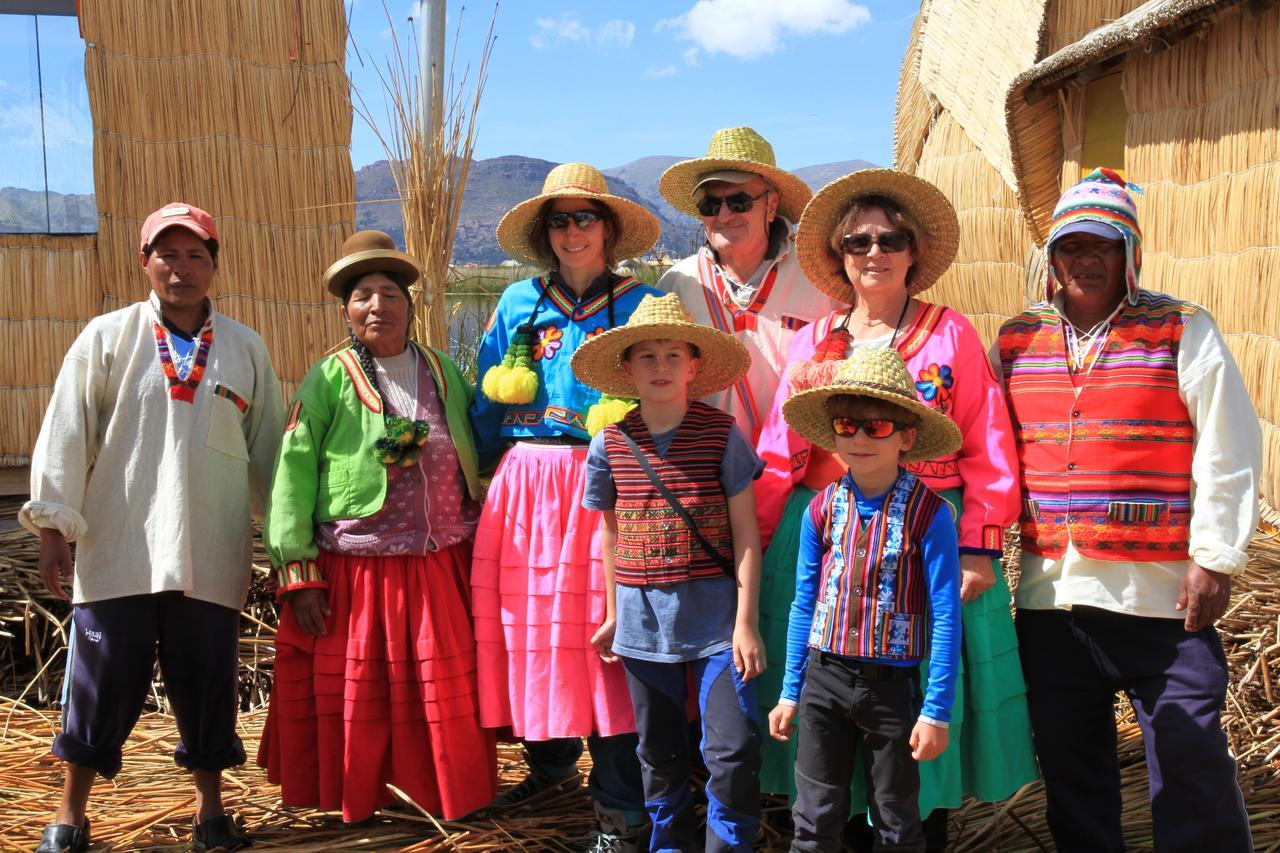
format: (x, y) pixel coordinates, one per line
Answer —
(725, 564)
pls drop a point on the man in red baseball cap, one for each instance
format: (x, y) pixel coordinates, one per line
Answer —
(164, 414)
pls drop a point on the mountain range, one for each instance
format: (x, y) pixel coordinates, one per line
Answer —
(494, 186)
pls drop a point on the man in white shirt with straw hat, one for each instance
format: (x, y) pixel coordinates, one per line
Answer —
(745, 279)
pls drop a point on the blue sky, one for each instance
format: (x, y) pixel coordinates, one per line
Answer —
(608, 83)
(605, 83)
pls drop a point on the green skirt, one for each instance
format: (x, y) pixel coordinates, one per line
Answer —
(989, 755)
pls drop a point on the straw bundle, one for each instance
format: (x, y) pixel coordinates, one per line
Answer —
(48, 291)
(916, 109)
(1068, 21)
(1006, 37)
(242, 108)
(430, 158)
(985, 282)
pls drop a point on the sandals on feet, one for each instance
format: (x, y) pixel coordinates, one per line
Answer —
(219, 833)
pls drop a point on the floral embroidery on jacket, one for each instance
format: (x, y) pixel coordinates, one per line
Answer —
(935, 386)
(549, 340)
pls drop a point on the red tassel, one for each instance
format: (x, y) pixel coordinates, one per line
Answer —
(833, 347)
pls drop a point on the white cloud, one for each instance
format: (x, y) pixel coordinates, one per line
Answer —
(664, 71)
(568, 28)
(751, 28)
(691, 57)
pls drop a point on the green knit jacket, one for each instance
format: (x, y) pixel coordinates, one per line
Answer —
(326, 471)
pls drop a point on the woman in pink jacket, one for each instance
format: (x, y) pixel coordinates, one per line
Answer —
(874, 240)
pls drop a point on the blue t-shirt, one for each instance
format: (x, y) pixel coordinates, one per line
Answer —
(182, 349)
(684, 621)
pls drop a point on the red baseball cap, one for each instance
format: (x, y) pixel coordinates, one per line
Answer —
(178, 215)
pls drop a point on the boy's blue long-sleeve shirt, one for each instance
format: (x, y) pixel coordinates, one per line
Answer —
(939, 549)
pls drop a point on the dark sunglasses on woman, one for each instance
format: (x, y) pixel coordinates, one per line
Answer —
(709, 205)
(888, 241)
(873, 427)
(582, 218)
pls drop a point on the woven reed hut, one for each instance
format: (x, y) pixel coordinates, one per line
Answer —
(1006, 105)
(239, 106)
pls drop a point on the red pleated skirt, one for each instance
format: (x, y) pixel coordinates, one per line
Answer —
(386, 696)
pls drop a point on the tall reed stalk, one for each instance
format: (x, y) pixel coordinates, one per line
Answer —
(429, 165)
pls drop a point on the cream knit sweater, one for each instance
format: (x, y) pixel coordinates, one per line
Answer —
(156, 492)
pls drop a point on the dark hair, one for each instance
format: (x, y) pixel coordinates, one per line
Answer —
(694, 352)
(862, 406)
(894, 212)
(211, 246)
(540, 236)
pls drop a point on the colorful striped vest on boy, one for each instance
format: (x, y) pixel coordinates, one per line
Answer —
(655, 547)
(1108, 467)
(872, 595)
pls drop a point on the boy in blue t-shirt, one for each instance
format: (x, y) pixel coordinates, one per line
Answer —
(682, 562)
(878, 573)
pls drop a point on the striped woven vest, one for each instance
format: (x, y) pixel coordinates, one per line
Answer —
(872, 595)
(655, 547)
(1107, 468)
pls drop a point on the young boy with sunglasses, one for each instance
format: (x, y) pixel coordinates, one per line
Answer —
(672, 481)
(877, 576)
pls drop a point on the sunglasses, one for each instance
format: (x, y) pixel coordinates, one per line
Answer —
(584, 219)
(709, 205)
(888, 241)
(873, 427)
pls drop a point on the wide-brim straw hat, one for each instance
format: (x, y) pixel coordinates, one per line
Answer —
(922, 202)
(723, 359)
(738, 149)
(366, 252)
(639, 229)
(880, 373)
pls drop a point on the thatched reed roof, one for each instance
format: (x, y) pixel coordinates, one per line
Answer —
(970, 51)
(1033, 113)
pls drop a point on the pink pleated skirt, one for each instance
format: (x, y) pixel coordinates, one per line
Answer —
(537, 586)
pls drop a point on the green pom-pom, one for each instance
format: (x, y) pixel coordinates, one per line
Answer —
(493, 380)
(410, 457)
(609, 410)
(421, 429)
(386, 451)
(400, 430)
(519, 385)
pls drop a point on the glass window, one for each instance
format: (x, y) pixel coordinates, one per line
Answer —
(46, 131)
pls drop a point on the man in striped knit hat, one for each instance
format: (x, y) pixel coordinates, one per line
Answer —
(1140, 454)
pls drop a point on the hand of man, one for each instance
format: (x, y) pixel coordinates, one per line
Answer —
(782, 722)
(55, 561)
(976, 576)
(310, 607)
(602, 640)
(1204, 595)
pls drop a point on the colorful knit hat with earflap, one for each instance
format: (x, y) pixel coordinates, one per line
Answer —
(1102, 196)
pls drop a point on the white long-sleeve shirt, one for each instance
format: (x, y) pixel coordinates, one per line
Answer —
(156, 491)
(1225, 467)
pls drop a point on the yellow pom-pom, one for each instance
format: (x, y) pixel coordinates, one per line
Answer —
(492, 381)
(607, 412)
(518, 385)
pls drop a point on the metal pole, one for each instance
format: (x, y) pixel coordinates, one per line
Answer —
(431, 64)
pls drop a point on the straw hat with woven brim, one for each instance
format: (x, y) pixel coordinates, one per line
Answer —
(738, 149)
(723, 360)
(366, 252)
(639, 228)
(921, 200)
(879, 373)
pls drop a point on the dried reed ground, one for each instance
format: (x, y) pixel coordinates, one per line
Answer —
(148, 806)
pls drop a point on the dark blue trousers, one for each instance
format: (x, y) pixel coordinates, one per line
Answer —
(1074, 662)
(615, 773)
(730, 748)
(112, 656)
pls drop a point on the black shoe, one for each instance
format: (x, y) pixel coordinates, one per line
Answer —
(64, 838)
(533, 785)
(219, 833)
